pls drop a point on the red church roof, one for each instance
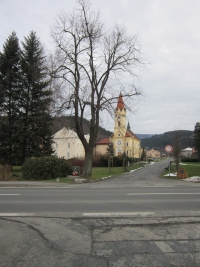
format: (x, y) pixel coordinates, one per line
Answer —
(104, 141)
(130, 133)
(120, 103)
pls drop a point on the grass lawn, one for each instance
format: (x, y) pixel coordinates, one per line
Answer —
(97, 173)
(192, 168)
(100, 172)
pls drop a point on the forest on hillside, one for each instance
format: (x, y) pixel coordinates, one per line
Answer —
(159, 141)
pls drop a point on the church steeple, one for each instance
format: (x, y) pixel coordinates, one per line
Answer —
(120, 103)
(128, 126)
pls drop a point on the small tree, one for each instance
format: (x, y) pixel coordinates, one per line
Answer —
(143, 156)
(197, 139)
(90, 68)
(176, 148)
(110, 151)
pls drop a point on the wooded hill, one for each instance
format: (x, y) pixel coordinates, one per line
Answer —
(159, 141)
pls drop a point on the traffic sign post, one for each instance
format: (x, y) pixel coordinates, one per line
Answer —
(169, 150)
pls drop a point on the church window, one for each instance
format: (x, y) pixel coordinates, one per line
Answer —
(68, 145)
(126, 144)
(68, 154)
(127, 152)
(118, 134)
(118, 123)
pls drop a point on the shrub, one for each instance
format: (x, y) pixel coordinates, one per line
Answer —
(189, 159)
(45, 168)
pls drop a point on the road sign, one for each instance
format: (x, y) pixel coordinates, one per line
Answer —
(168, 149)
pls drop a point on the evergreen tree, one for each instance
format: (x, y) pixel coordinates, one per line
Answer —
(197, 139)
(35, 117)
(10, 86)
(110, 150)
(144, 155)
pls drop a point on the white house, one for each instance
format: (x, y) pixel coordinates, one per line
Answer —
(67, 144)
(187, 152)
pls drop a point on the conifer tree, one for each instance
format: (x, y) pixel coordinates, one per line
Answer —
(10, 88)
(110, 151)
(35, 117)
(197, 139)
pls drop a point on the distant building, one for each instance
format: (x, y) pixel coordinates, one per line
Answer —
(67, 144)
(187, 152)
(101, 147)
(153, 153)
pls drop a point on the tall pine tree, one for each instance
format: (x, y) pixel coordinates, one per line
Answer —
(10, 89)
(35, 100)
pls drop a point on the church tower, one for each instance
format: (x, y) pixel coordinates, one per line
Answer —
(123, 139)
(120, 118)
(120, 127)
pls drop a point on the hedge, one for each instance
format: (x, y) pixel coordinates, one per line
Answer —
(45, 168)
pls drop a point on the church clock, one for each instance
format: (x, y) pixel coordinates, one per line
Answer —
(119, 142)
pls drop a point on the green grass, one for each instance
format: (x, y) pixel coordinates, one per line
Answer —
(97, 173)
(102, 172)
(192, 168)
(16, 172)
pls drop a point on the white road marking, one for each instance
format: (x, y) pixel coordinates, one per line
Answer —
(9, 194)
(117, 214)
(164, 246)
(143, 194)
(16, 214)
(162, 186)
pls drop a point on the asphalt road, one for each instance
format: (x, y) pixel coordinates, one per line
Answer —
(136, 220)
(139, 191)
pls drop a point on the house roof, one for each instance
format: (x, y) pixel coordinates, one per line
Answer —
(104, 141)
(65, 132)
(187, 149)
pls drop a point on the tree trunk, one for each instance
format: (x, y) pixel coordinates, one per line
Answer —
(87, 168)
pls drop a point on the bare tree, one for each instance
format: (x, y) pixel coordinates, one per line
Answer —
(91, 66)
(176, 148)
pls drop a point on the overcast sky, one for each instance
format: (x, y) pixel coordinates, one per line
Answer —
(169, 34)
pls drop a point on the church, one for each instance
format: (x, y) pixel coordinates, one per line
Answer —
(123, 139)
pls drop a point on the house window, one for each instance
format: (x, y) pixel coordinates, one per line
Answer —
(68, 154)
(68, 145)
(56, 145)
